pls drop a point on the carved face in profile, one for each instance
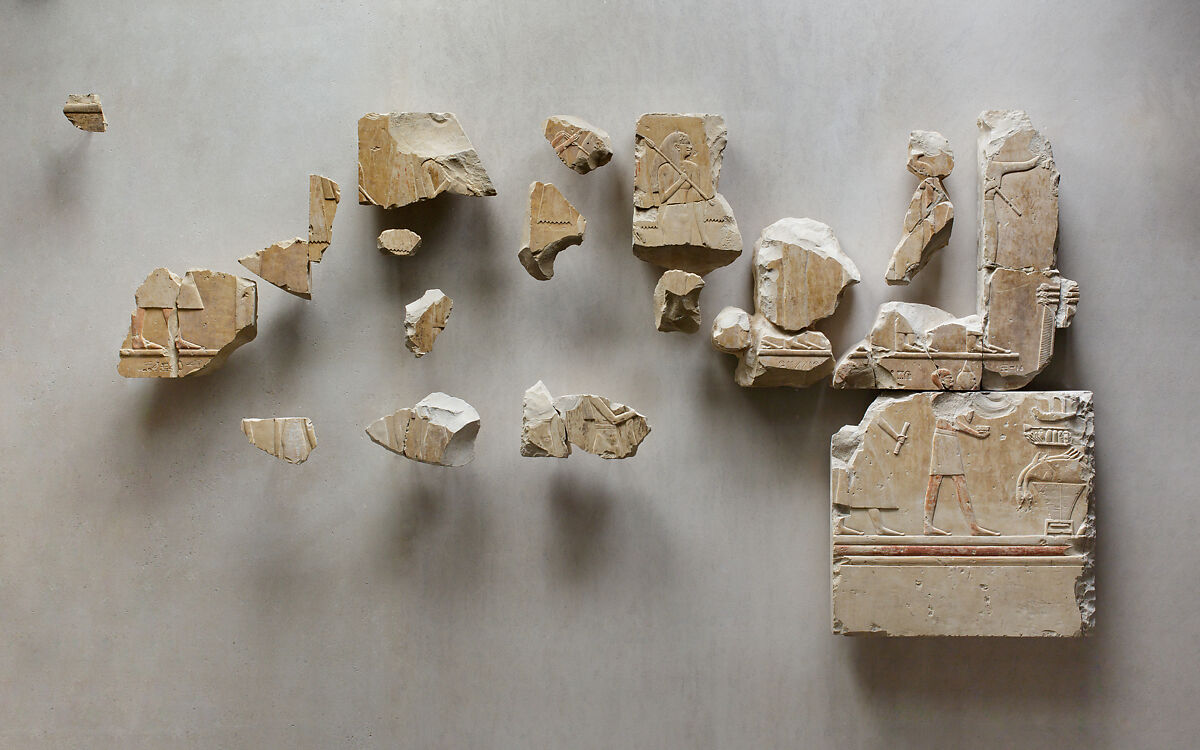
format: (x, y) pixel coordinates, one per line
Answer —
(681, 145)
(943, 378)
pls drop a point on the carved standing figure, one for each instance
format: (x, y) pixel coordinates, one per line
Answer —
(163, 290)
(945, 460)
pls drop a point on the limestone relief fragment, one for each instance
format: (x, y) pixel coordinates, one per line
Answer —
(579, 144)
(965, 514)
(930, 216)
(84, 112)
(400, 242)
(186, 326)
(768, 356)
(424, 319)
(680, 221)
(289, 438)
(800, 273)
(1022, 297)
(677, 302)
(551, 225)
(439, 430)
(407, 157)
(549, 426)
(288, 264)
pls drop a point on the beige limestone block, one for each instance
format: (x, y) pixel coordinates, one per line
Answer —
(930, 216)
(677, 302)
(424, 319)
(551, 225)
(289, 438)
(965, 514)
(679, 219)
(401, 242)
(439, 430)
(288, 264)
(84, 112)
(1022, 297)
(185, 326)
(407, 157)
(579, 144)
(769, 357)
(600, 426)
(800, 273)
(543, 431)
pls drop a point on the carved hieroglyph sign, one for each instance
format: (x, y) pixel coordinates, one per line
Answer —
(405, 157)
(424, 320)
(400, 242)
(549, 426)
(965, 514)
(187, 326)
(439, 430)
(579, 144)
(1022, 296)
(679, 219)
(551, 225)
(84, 112)
(930, 216)
(289, 438)
(677, 302)
(288, 264)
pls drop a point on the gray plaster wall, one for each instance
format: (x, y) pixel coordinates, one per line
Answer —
(163, 584)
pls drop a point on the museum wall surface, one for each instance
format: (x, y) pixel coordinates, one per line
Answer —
(165, 584)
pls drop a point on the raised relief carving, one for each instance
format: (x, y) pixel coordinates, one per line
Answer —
(677, 302)
(439, 430)
(1022, 297)
(769, 357)
(407, 157)
(288, 264)
(291, 439)
(1013, 555)
(680, 221)
(549, 427)
(187, 326)
(399, 242)
(424, 320)
(551, 225)
(579, 144)
(930, 216)
(84, 112)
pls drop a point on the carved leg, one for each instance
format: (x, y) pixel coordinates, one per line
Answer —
(180, 341)
(877, 519)
(841, 528)
(137, 323)
(931, 494)
(964, 501)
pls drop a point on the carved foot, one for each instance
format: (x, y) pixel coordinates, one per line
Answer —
(140, 342)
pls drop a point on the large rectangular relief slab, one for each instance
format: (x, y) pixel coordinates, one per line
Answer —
(965, 514)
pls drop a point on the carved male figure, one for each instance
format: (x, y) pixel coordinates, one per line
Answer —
(945, 460)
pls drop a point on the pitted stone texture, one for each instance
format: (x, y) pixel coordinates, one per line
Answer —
(965, 514)
(800, 273)
(290, 439)
(407, 157)
(551, 225)
(579, 144)
(424, 320)
(677, 302)
(439, 430)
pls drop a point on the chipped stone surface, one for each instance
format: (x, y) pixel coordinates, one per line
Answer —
(768, 356)
(930, 216)
(187, 326)
(1022, 296)
(401, 242)
(800, 273)
(579, 144)
(288, 264)
(289, 438)
(965, 514)
(680, 221)
(551, 225)
(543, 431)
(602, 427)
(677, 302)
(84, 112)
(424, 319)
(407, 157)
(439, 430)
